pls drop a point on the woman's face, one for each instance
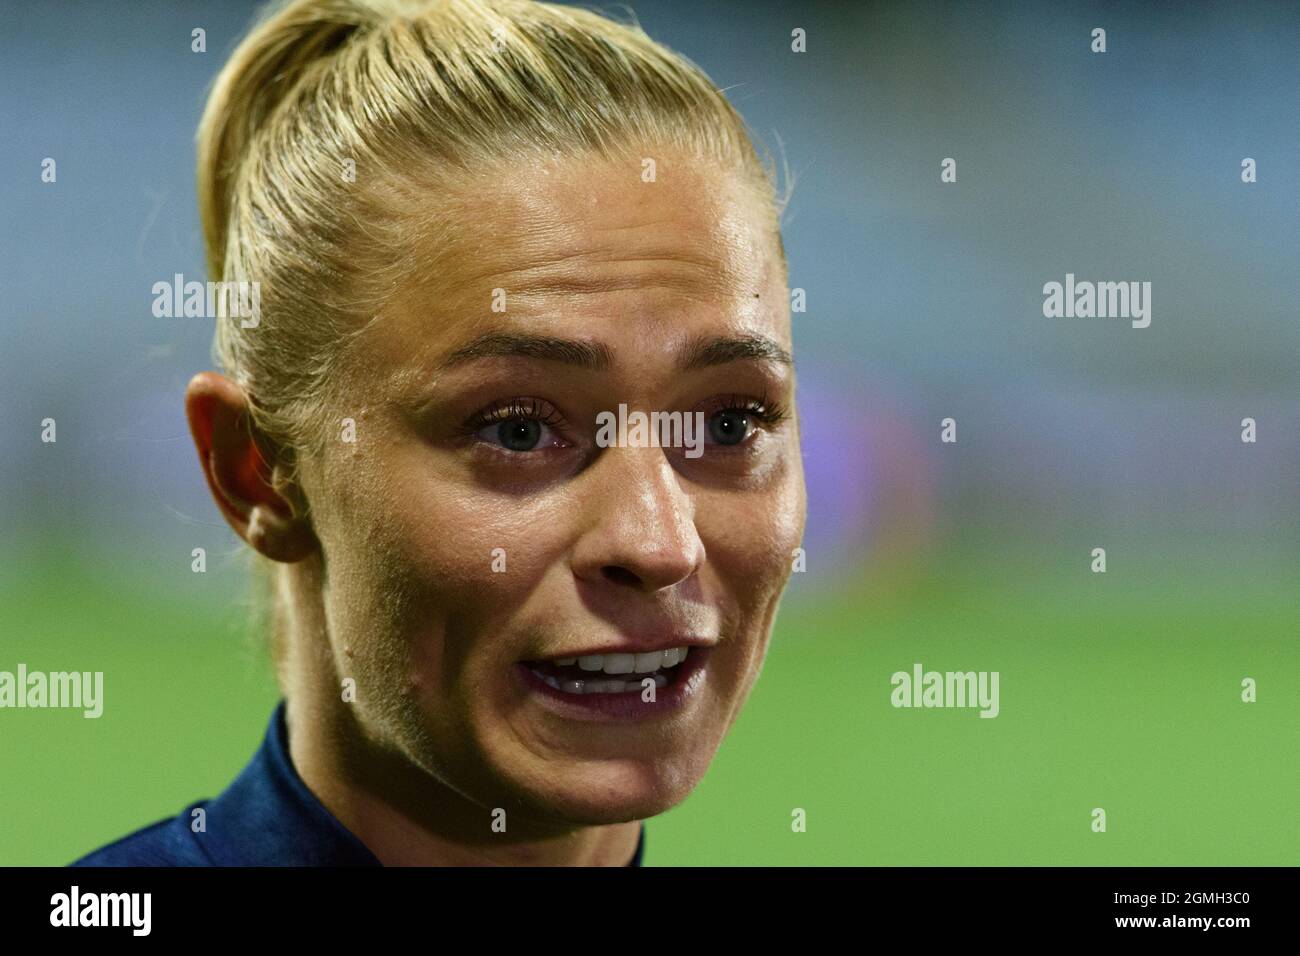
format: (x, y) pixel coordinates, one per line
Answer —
(476, 536)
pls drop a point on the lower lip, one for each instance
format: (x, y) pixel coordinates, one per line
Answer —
(687, 681)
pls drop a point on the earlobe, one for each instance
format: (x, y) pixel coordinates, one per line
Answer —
(246, 488)
(281, 536)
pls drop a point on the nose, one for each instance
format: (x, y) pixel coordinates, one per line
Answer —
(640, 531)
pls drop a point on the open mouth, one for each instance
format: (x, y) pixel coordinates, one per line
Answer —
(610, 673)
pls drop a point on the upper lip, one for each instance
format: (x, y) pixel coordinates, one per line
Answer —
(632, 647)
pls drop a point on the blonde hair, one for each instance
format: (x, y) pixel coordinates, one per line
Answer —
(414, 95)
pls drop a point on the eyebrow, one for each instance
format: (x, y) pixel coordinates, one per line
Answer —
(699, 353)
(719, 350)
(520, 345)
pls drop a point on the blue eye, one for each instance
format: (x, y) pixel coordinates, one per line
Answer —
(735, 419)
(730, 426)
(518, 434)
(519, 425)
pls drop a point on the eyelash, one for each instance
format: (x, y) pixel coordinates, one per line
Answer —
(530, 408)
(766, 412)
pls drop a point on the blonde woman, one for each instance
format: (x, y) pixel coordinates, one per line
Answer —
(504, 633)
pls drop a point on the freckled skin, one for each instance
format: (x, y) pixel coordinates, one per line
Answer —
(401, 596)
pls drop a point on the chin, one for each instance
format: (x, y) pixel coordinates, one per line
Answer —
(598, 793)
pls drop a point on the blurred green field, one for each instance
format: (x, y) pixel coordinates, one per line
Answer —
(1116, 694)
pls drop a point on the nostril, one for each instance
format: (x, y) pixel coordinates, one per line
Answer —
(619, 575)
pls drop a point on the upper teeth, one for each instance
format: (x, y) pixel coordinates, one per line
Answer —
(628, 663)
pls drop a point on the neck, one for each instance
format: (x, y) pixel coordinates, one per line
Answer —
(404, 815)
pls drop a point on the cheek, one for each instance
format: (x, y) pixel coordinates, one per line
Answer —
(414, 552)
(422, 578)
(466, 550)
(750, 539)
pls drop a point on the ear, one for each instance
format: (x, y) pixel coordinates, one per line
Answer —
(248, 490)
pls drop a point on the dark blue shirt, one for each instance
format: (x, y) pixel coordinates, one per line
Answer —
(266, 817)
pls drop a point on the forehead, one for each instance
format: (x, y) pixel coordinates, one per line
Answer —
(602, 219)
(592, 249)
